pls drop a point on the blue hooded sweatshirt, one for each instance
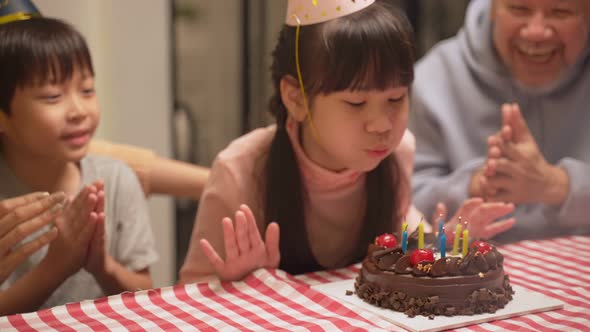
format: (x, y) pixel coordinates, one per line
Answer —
(456, 99)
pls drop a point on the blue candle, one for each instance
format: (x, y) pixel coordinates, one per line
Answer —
(404, 228)
(405, 241)
(443, 245)
(441, 224)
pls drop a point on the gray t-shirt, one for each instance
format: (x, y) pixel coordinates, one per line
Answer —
(129, 236)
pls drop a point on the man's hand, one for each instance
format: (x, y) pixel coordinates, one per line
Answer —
(244, 249)
(478, 183)
(516, 170)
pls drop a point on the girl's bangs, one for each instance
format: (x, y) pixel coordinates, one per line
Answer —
(370, 51)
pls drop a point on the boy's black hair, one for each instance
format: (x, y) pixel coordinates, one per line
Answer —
(366, 50)
(38, 51)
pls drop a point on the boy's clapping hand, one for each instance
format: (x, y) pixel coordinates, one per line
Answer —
(75, 230)
(96, 261)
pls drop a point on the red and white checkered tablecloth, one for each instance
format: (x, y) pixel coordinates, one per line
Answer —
(272, 300)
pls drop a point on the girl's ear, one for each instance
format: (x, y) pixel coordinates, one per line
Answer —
(292, 98)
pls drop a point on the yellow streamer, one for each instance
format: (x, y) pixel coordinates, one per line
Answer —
(300, 78)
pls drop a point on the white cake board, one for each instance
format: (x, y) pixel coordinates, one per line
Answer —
(523, 302)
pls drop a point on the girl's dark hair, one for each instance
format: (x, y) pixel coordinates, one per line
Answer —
(39, 51)
(366, 50)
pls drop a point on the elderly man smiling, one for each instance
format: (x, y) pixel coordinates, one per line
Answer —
(502, 111)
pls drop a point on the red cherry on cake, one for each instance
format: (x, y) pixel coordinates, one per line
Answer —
(386, 240)
(420, 255)
(482, 247)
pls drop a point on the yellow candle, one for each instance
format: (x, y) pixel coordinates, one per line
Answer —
(458, 230)
(465, 242)
(421, 235)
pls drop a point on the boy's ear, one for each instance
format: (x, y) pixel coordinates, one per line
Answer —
(292, 98)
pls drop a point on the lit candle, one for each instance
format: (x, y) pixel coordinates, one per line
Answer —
(443, 245)
(404, 228)
(421, 235)
(440, 225)
(465, 242)
(405, 240)
(458, 230)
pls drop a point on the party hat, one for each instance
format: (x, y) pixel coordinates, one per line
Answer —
(17, 10)
(305, 12)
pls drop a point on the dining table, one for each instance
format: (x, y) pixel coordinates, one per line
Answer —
(273, 300)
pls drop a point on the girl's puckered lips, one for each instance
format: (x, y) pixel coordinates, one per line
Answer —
(378, 152)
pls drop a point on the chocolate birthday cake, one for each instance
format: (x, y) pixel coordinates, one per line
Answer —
(418, 284)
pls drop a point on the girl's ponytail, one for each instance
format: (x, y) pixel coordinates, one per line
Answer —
(285, 196)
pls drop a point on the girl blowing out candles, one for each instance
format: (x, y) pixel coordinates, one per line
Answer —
(333, 172)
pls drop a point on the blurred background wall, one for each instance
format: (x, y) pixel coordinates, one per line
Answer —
(185, 77)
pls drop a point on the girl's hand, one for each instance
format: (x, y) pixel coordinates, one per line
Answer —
(75, 227)
(480, 218)
(244, 249)
(21, 217)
